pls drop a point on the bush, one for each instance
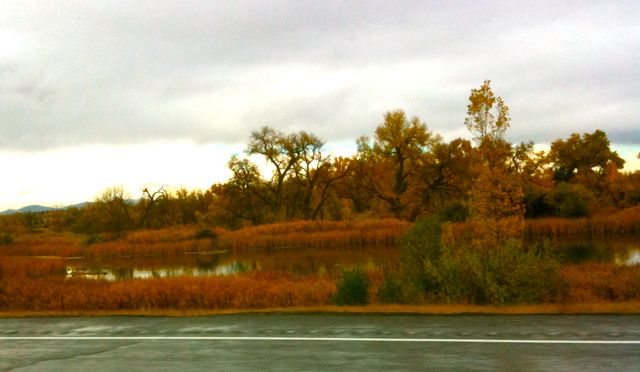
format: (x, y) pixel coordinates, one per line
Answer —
(353, 288)
(205, 234)
(503, 274)
(535, 205)
(5, 239)
(456, 212)
(391, 291)
(93, 239)
(570, 200)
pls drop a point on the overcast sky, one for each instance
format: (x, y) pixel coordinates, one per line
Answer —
(126, 92)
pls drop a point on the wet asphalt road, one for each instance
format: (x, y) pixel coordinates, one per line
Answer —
(285, 342)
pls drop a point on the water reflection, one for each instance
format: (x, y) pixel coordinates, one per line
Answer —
(123, 273)
(631, 257)
(299, 261)
(577, 250)
(315, 261)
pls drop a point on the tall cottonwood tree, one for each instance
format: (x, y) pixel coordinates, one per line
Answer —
(153, 207)
(316, 174)
(244, 197)
(112, 212)
(303, 174)
(584, 155)
(443, 177)
(283, 153)
(391, 160)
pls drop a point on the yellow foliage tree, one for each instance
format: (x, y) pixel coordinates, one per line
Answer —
(496, 204)
(496, 208)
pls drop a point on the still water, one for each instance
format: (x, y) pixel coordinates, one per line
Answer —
(299, 261)
(576, 250)
(315, 261)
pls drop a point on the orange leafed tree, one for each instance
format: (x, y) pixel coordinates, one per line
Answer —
(392, 160)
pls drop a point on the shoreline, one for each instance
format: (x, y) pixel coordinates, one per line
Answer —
(616, 308)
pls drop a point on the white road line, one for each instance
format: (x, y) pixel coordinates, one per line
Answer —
(317, 339)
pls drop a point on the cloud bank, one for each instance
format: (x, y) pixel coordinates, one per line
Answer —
(80, 73)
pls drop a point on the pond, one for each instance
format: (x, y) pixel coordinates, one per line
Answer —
(299, 261)
(575, 250)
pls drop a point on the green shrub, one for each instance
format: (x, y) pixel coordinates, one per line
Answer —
(205, 234)
(5, 239)
(391, 291)
(353, 288)
(570, 200)
(456, 212)
(510, 273)
(93, 239)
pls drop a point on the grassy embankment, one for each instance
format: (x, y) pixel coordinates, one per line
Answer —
(31, 286)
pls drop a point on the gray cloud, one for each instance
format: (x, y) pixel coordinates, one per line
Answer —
(131, 72)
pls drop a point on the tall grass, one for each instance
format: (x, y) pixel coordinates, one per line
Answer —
(171, 241)
(599, 282)
(317, 234)
(625, 222)
(620, 223)
(251, 291)
(39, 285)
(178, 240)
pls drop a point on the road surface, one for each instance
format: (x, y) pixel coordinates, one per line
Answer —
(321, 342)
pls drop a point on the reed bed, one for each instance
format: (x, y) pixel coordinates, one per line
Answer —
(179, 240)
(166, 242)
(39, 285)
(317, 234)
(622, 223)
(24, 268)
(44, 244)
(599, 282)
(251, 291)
(625, 222)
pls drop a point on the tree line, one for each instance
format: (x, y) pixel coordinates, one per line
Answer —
(404, 171)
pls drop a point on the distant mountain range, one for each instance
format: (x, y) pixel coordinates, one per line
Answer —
(41, 208)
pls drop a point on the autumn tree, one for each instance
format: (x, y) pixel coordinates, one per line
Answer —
(317, 175)
(190, 206)
(111, 212)
(391, 160)
(582, 156)
(244, 197)
(487, 115)
(310, 171)
(355, 189)
(496, 198)
(443, 179)
(487, 120)
(283, 153)
(153, 207)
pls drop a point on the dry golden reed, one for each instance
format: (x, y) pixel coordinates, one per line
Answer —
(251, 291)
(314, 234)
